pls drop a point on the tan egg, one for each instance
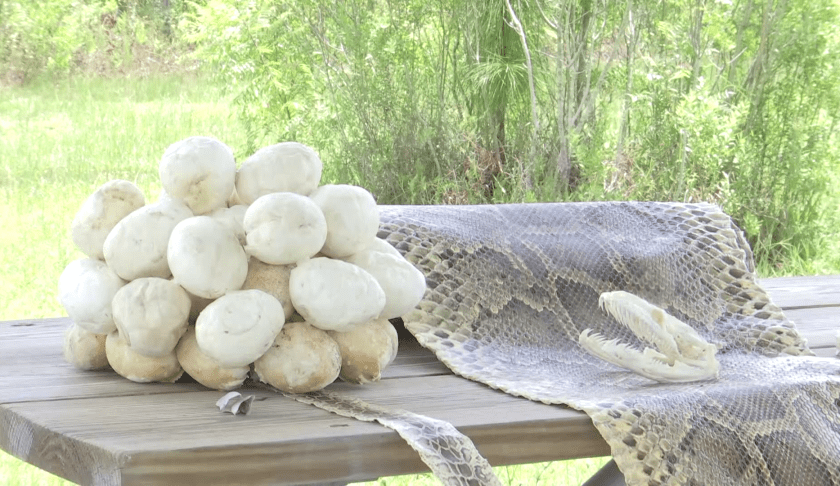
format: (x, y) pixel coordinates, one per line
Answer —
(137, 367)
(197, 304)
(302, 359)
(366, 350)
(205, 369)
(84, 350)
(272, 279)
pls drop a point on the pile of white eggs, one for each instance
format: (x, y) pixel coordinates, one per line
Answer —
(257, 270)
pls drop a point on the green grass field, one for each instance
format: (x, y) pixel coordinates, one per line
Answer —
(58, 142)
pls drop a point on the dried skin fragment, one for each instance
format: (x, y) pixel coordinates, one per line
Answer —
(234, 403)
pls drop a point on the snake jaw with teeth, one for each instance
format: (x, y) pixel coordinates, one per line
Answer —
(681, 355)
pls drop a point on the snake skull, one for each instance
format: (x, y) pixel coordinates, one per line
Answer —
(680, 354)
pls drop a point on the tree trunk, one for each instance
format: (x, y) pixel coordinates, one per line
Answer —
(624, 127)
(529, 168)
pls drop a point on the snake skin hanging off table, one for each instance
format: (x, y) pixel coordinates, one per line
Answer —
(511, 287)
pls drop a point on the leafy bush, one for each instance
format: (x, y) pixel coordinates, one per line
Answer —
(728, 102)
(54, 38)
(44, 36)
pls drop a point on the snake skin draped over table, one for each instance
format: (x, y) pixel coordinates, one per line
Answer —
(511, 287)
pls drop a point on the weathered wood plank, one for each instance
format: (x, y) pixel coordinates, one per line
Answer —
(818, 325)
(99, 428)
(504, 428)
(803, 292)
(34, 369)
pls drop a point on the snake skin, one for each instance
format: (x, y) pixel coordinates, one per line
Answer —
(510, 288)
(450, 455)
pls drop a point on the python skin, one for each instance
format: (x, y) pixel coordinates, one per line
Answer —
(511, 287)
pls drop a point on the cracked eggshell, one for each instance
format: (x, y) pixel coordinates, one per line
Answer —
(284, 228)
(100, 212)
(302, 359)
(334, 295)
(85, 290)
(201, 171)
(239, 327)
(84, 349)
(139, 368)
(272, 279)
(283, 167)
(206, 258)
(352, 218)
(136, 247)
(366, 350)
(403, 284)
(151, 315)
(232, 218)
(205, 369)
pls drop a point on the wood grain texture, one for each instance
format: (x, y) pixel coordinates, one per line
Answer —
(98, 428)
(803, 292)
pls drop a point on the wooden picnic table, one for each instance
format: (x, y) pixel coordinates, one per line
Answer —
(99, 428)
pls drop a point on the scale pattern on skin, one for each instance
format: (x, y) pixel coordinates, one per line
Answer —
(511, 287)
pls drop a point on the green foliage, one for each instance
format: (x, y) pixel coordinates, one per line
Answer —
(754, 135)
(332, 82)
(729, 102)
(38, 36)
(54, 38)
(62, 140)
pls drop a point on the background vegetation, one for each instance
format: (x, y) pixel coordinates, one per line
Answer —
(449, 101)
(732, 102)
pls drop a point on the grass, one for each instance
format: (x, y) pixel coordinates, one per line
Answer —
(61, 141)
(18, 473)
